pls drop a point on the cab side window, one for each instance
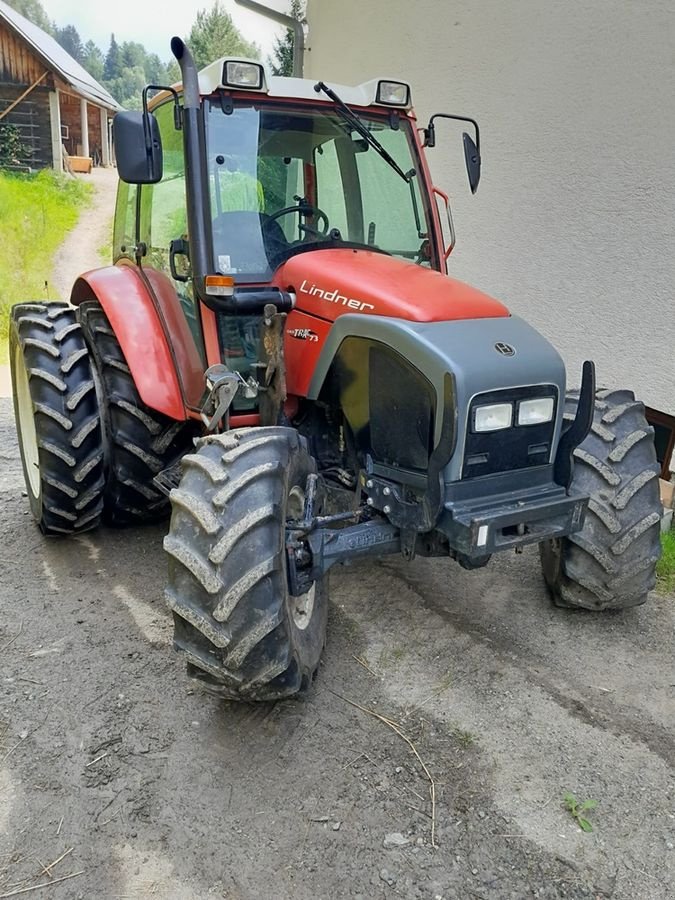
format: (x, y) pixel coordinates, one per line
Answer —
(163, 217)
(163, 205)
(124, 228)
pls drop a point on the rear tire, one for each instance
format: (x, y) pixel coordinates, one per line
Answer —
(57, 417)
(139, 442)
(241, 632)
(611, 562)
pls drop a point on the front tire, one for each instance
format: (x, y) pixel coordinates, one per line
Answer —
(235, 622)
(611, 562)
(57, 417)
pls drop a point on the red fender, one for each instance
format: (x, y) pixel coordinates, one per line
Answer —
(141, 322)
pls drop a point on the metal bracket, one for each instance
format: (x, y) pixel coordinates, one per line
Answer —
(273, 366)
(223, 384)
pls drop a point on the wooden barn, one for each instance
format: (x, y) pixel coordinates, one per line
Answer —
(51, 100)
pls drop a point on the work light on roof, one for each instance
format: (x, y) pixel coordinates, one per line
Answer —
(243, 75)
(393, 93)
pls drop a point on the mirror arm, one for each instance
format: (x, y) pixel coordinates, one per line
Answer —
(177, 113)
(430, 131)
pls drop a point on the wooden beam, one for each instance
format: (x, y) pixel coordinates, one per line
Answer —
(24, 95)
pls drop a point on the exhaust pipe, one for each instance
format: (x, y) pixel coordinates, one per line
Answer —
(196, 175)
(188, 70)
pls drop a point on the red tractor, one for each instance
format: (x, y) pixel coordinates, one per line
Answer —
(278, 356)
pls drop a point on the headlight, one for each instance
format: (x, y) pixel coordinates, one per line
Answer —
(393, 93)
(534, 412)
(243, 74)
(493, 417)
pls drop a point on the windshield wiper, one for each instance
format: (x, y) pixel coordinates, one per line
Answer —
(352, 119)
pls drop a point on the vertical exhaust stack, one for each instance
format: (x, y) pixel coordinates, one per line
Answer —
(196, 176)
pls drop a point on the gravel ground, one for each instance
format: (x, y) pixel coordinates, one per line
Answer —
(158, 790)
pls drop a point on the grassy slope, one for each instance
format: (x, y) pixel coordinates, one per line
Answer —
(666, 566)
(36, 212)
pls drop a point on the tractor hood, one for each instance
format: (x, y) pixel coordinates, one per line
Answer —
(330, 283)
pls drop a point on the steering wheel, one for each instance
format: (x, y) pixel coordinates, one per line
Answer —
(304, 209)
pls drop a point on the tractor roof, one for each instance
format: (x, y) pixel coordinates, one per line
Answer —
(211, 80)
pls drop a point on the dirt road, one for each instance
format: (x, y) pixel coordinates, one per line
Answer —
(80, 251)
(153, 789)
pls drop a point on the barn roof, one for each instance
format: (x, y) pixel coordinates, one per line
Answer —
(57, 60)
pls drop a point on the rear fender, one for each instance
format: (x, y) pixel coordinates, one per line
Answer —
(141, 330)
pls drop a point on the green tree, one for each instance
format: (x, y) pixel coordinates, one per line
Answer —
(34, 12)
(112, 67)
(92, 60)
(214, 34)
(155, 70)
(282, 52)
(132, 55)
(70, 40)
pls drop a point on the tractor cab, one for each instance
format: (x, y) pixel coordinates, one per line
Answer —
(226, 180)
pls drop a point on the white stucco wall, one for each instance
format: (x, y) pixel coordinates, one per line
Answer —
(574, 221)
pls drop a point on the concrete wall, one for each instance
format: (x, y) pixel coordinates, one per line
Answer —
(574, 222)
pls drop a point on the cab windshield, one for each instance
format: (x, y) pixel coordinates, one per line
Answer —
(283, 181)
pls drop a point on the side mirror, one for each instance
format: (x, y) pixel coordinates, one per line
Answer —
(471, 147)
(472, 159)
(138, 147)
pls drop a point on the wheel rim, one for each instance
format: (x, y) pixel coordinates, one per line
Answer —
(26, 417)
(302, 606)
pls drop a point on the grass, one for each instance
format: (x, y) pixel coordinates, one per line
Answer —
(665, 568)
(576, 809)
(36, 213)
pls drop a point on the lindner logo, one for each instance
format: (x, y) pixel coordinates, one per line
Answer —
(504, 349)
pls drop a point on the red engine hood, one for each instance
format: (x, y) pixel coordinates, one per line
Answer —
(330, 283)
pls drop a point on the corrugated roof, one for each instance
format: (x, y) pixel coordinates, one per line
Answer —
(57, 59)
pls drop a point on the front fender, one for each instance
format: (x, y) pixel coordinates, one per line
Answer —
(141, 333)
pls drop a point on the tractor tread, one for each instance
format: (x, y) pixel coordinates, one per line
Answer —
(66, 417)
(198, 567)
(224, 546)
(215, 473)
(66, 330)
(50, 378)
(64, 421)
(46, 347)
(76, 355)
(610, 563)
(140, 441)
(227, 584)
(241, 587)
(85, 388)
(226, 494)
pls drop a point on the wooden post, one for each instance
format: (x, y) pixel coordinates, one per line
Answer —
(105, 137)
(55, 122)
(85, 127)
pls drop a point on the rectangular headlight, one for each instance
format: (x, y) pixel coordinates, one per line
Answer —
(393, 93)
(493, 417)
(535, 412)
(243, 75)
